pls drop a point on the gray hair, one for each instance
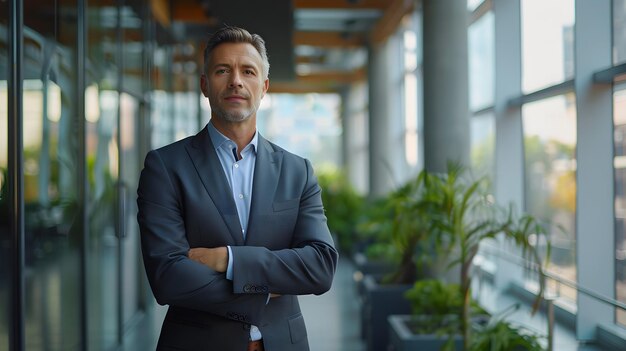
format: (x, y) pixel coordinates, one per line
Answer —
(230, 34)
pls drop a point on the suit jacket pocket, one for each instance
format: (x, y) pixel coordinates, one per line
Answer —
(297, 329)
(285, 205)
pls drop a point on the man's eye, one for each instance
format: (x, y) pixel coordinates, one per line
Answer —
(220, 71)
(249, 71)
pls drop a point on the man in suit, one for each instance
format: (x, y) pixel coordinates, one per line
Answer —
(232, 226)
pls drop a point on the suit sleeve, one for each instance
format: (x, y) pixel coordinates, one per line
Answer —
(174, 278)
(307, 267)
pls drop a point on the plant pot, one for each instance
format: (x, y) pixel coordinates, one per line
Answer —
(402, 337)
(368, 266)
(364, 267)
(380, 301)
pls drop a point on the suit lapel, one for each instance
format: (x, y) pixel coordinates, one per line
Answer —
(266, 174)
(210, 171)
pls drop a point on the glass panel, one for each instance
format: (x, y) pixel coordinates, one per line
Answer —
(481, 53)
(129, 177)
(482, 148)
(101, 109)
(412, 69)
(50, 177)
(162, 123)
(306, 124)
(619, 110)
(132, 87)
(550, 175)
(6, 254)
(132, 47)
(547, 43)
(619, 31)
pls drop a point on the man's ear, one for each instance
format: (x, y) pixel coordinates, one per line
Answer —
(266, 85)
(204, 85)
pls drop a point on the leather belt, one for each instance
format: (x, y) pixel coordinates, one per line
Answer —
(256, 345)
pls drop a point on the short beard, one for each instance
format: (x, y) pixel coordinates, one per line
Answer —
(237, 116)
(234, 116)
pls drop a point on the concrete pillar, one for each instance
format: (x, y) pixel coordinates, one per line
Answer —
(509, 149)
(446, 111)
(345, 125)
(594, 158)
(380, 167)
(356, 136)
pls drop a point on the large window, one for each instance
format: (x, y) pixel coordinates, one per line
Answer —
(550, 180)
(481, 55)
(113, 107)
(179, 110)
(51, 166)
(482, 145)
(412, 85)
(305, 124)
(619, 112)
(547, 43)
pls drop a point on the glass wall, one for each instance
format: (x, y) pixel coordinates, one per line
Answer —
(550, 180)
(101, 109)
(547, 43)
(481, 56)
(482, 145)
(619, 119)
(52, 239)
(6, 260)
(412, 38)
(112, 110)
(176, 95)
(305, 124)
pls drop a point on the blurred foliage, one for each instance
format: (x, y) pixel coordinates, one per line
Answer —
(501, 335)
(343, 207)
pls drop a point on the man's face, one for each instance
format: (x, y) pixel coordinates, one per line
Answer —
(234, 81)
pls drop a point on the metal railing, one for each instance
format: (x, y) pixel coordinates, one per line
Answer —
(550, 299)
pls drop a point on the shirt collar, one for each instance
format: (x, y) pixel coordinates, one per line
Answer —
(220, 140)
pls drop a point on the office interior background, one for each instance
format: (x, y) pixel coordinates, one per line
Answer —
(531, 93)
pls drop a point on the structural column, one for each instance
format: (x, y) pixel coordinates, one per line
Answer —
(446, 113)
(594, 157)
(509, 149)
(381, 150)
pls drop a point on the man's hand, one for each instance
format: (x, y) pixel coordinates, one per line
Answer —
(214, 258)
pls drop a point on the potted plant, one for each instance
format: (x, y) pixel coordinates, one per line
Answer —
(500, 334)
(407, 223)
(462, 218)
(343, 205)
(435, 321)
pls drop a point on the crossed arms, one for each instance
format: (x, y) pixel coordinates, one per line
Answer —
(192, 277)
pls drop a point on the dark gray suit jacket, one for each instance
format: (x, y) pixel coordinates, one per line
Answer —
(185, 201)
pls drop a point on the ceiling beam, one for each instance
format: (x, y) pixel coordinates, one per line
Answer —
(337, 77)
(390, 20)
(297, 87)
(191, 11)
(322, 82)
(329, 39)
(161, 11)
(310, 59)
(339, 4)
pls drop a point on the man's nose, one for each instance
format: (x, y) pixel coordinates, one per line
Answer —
(235, 80)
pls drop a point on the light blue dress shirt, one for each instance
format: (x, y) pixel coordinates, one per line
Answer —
(239, 173)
